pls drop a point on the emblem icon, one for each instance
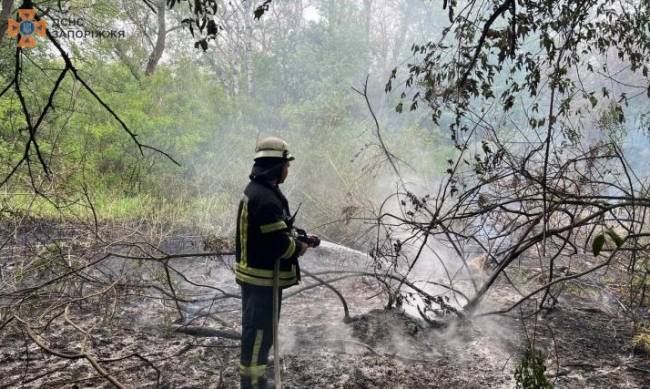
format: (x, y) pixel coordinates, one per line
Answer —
(27, 27)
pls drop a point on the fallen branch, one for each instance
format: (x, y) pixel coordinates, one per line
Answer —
(93, 362)
(207, 332)
(346, 311)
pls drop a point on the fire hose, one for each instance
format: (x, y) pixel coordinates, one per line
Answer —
(276, 319)
(311, 241)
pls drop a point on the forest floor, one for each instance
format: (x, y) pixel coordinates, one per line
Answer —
(586, 344)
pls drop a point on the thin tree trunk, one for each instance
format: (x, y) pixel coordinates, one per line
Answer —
(4, 16)
(367, 10)
(159, 47)
(391, 62)
(299, 7)
(332, 16)
(236, 71)
(249, 66)
(400, 37)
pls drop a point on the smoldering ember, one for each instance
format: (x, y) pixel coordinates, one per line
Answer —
(325, 194)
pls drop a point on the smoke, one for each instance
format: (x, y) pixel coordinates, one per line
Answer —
(312, 323)
(404, 332)
(636, 147)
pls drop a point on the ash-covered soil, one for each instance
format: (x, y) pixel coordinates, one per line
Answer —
(591, 348)
(376, 349)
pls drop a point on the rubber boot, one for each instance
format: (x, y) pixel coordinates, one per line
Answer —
(262, 383)
(265, 384)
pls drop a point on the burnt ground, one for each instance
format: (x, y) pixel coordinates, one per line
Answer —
(378, 349)
(593, 348)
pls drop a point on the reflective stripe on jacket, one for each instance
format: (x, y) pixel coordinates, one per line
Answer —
(263, 235)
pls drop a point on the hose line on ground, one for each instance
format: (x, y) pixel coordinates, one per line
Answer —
(276, 319)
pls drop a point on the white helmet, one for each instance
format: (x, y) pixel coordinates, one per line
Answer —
(273, 147)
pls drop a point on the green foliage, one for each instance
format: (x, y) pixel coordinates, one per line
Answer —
(600, 240)
(531, 371)
(598, 243)
(302, 92)
(521, 57)
(615, 237)
(639, 287)
(641, 340)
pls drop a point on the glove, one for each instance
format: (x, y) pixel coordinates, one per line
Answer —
(313, 240)
(310, 240)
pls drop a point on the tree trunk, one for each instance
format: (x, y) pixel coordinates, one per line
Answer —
(400, 37)
(297, 12)
(159, 47)
(236, 71)
(367, 10)
(249, 66)
(4, 16)
(332, 16)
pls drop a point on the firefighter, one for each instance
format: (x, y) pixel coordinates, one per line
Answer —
(264, 235)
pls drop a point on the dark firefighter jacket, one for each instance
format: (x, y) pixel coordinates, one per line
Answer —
(264, 234)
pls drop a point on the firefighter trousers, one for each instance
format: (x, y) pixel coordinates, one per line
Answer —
(257, 334)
